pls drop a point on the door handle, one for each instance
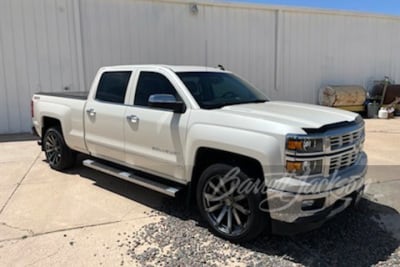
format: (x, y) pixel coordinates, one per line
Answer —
(91, 112)
(132, 118)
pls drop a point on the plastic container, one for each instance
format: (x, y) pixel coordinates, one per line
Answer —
(372, 109)
(383, 114)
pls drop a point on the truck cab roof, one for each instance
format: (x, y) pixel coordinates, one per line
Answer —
(174, 68)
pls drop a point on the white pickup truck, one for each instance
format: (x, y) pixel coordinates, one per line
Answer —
(251, 164)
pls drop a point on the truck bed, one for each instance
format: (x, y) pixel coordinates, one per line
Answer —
(75, 94)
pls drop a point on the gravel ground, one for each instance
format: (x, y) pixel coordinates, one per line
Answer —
(181, 239)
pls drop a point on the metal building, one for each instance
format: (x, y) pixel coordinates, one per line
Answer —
(55, 45)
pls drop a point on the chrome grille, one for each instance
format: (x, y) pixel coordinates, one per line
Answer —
(343, 160)
(342, 141)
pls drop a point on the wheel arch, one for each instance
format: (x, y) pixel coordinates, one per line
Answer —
(48, 122)
(206, 156)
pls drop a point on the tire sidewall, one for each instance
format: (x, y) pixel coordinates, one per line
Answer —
(257, 220)
(65, 151)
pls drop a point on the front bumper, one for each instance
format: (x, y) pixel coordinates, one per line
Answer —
(286, 207)
(305, 224)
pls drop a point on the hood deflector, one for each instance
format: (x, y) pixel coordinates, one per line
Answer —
(327, 127)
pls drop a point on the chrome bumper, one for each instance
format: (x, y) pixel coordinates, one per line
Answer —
(334, 194)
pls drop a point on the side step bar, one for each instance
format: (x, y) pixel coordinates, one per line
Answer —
(133, 178)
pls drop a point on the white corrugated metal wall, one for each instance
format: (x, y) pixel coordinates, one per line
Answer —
(37, 53)
(48, 45)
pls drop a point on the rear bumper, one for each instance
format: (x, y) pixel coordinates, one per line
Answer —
(34, 132)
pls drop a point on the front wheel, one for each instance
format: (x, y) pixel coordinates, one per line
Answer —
(230, 213)
(58, 154)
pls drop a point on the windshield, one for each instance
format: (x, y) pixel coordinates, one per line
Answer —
(217, 89)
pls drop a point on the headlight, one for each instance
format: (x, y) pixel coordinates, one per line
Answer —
(306, 167)
(304, 144)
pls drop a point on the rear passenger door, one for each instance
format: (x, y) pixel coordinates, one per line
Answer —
(154, 139)
(104, 116)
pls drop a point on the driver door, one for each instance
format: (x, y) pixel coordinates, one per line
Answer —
(154, 137)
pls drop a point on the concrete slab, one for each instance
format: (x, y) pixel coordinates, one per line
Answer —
(382, 145)
(382, 148)
(98, 245)
(42, 173)
(384, 126)
(12, 172)
(383, 179)
(8, 232)
(11, 175)
(18, 151)
(5, 193)
(68, 203)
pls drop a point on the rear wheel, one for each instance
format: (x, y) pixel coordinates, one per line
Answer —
(58, 154)
(230, 213)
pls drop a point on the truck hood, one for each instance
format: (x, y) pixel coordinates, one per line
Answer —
(293, 114)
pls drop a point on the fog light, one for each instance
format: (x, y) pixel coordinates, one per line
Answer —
(312, 204)
(307, 203)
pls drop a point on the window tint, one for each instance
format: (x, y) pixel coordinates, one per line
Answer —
(151, 83)
(112, 86)
(218, 89)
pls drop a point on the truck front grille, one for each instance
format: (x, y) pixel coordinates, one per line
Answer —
(346, 140)
(344, 160)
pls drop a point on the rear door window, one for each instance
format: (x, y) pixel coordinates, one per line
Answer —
(112, 86)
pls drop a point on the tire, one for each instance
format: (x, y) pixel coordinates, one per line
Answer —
(58, 154)
(229, 213)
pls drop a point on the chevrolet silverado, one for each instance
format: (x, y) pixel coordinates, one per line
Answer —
(252, 165)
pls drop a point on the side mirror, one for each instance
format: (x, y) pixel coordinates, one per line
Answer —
(167, 101)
